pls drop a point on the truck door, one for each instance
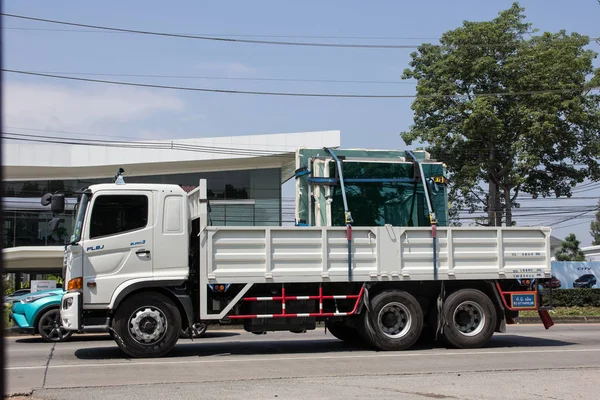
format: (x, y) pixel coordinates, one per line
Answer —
(118, 243)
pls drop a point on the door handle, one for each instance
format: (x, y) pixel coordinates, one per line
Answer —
(146, 252)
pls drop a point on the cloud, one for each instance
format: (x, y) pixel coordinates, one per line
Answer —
(229, 68)
(53, 106)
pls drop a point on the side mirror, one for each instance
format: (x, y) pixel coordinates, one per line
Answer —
(56, 202)
(46, 199)
(57, 206)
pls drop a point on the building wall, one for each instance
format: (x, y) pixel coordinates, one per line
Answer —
(592, 253)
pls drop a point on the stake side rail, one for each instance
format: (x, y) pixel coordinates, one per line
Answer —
(283, 298)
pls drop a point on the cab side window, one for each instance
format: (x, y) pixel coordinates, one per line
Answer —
(114, 214)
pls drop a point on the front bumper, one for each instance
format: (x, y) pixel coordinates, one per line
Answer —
(70, 311)
(22, 316)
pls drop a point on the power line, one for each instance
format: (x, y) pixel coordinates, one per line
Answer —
(574, 217)
(291, 94)
(574, 224)
(230, 40)
(229, 78)
(518, 200)
(134, 139)
(215, 38)
(141, 145)
(236, 35)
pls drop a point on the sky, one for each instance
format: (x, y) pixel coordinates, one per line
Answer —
(105, 111)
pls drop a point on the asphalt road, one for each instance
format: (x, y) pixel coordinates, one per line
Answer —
(527, 362)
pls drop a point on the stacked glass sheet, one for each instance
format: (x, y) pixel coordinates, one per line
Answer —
(389, 189)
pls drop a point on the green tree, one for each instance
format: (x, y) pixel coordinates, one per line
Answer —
(509, 111)
(570, 250)
(595, 228)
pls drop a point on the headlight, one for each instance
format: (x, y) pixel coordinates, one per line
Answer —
(35, 297)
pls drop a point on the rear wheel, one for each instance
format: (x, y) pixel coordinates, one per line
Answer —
(148, 324)
(50, 327)
(394, 321)
(470, 319)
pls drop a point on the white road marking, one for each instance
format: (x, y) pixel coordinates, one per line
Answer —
(211, 360)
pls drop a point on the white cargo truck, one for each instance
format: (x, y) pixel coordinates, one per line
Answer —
(144, 263)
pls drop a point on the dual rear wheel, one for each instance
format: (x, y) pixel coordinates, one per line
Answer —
(394, 320)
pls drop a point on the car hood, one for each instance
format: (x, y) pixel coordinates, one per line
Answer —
(50, 291)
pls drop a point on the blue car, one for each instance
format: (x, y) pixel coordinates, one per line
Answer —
(39, 313)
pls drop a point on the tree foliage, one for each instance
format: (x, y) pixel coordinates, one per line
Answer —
(514, 111)
(595, 228)
(570, 250)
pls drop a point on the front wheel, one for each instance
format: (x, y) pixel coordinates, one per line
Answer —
(148, 324)
(50, 327)
(469, 319)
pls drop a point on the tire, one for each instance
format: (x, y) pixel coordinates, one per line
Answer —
(344, 333)
(469, 319)
(50, 329)
(149, 325)
(394, 322)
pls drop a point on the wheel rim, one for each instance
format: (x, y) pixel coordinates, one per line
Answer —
(147, 325)
(469, 318)
(51, 327)
(394, 320)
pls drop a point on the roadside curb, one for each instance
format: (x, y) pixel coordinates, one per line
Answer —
(559, 320)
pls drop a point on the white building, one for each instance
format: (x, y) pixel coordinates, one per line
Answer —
(592, 253)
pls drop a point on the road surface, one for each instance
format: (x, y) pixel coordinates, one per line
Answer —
(527, 362)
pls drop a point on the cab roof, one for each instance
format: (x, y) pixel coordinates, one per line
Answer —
(155, 187)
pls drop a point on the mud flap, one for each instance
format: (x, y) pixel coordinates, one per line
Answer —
(440, 304)
(546, 318)
(502, 327)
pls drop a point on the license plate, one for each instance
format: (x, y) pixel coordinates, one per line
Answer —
(523, 300)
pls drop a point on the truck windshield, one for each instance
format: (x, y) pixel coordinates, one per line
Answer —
(81, 207)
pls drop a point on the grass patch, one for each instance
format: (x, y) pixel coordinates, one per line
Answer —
(7, 319)
(567, 312)
(575, 298)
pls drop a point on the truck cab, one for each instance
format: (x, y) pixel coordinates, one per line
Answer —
(125, 236)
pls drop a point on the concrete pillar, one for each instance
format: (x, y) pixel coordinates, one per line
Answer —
(18, 281)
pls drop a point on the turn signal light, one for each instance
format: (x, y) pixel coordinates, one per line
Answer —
(75, 284)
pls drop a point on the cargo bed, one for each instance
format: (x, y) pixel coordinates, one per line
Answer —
(320, 254)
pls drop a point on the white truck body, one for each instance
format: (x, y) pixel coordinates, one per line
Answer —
(320, 254)
(101, 271)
